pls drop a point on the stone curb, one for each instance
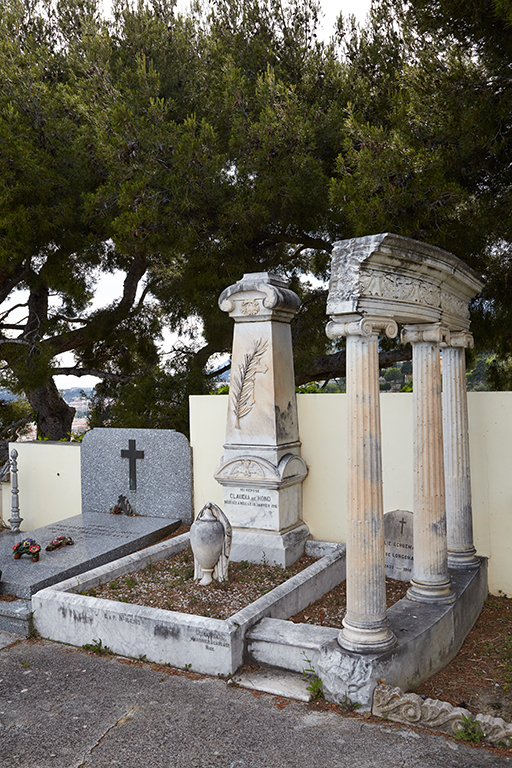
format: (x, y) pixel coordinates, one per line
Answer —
(409, 708)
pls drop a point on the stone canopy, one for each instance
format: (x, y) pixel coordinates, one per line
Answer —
(393, 276)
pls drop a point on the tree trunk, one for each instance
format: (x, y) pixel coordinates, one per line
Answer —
(54, 416)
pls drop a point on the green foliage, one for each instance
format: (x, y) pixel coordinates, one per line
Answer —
(346, 705)
(477, 374)
(393, 374)
(469, 730)
(14, 418)
(97, 647)
(185, 150)
(314, 682)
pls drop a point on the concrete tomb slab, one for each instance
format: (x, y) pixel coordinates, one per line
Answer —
(98, 538)
(151, 467)
(398, 541)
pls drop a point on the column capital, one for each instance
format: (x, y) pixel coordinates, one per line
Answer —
(355, 325)
(260, 296)
(434, 333)
(461, 339)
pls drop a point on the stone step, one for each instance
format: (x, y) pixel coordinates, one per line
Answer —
(276, 682)
(16, 616)
(286, 645)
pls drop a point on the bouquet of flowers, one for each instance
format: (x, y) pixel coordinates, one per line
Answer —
(27, 547)
(60, 541)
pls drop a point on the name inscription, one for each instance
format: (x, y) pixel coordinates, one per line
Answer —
(250, 497)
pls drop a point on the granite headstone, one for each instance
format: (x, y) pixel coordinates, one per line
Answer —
(152, 468)
(399, 549)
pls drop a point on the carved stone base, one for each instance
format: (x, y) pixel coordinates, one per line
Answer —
(257, 546)
(423, 592)
(462, 560)
(367, 639)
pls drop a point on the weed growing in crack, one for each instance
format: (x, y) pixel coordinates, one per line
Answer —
(469, 730)
(97, 647)
(314, 682)
(347, 705)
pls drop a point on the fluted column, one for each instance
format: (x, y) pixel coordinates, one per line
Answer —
(430, 581)
(365, 626)
(459, 513)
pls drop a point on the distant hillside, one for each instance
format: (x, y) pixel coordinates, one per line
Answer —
(75, 393)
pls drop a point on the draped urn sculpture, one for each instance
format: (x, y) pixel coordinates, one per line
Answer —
(210, 539)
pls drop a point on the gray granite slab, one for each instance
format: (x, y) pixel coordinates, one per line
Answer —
(98, 538)
(398, 541)
(151, 467)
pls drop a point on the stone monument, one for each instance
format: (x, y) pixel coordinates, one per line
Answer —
(377, 282)
(261, 470)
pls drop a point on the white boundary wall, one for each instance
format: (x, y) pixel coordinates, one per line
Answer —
(49, 473)
(48, 482)
(322, 420)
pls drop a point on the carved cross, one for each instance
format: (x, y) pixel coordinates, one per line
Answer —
(132, 455)
(402, 523)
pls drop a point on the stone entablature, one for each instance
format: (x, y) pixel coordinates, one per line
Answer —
(398, 277)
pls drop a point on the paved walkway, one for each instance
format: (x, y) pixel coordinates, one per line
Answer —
(65, 708)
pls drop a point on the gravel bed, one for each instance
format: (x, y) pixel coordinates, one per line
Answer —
(170, 584)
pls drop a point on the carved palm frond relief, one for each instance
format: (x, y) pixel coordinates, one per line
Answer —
(242, 387)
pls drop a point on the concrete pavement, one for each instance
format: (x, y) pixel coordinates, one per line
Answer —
(61, 707)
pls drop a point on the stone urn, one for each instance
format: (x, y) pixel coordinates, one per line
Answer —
(207, 540)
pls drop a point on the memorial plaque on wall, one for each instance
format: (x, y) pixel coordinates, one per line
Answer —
(398, 539)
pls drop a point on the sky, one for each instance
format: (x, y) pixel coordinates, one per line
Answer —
(109, 287)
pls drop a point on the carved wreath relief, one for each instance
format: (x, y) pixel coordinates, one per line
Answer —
(242, 388)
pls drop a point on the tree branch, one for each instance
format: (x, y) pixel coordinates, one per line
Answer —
(122, 378)
(105, 320)
(334, 366)
(12, 428)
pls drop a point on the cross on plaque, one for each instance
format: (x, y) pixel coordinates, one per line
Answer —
(402, 523)
(132, 455)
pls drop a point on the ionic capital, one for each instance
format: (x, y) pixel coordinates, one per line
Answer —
(259, 296)
(434, 334)
(461, 339)
(361, 326)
